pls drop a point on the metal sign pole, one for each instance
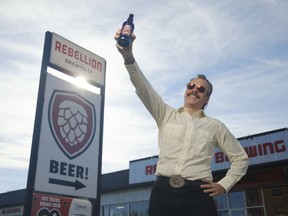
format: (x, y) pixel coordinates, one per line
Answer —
(97, 205)
(37, 126)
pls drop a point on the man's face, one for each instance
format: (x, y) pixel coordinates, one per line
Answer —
(196, 96)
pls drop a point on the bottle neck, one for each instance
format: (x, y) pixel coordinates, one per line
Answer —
(130, 18)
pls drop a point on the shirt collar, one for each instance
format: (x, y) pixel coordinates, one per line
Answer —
(198, 114)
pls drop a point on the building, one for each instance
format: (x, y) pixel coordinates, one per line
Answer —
(262, 192)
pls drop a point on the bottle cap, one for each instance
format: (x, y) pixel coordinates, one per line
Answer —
(130, 18)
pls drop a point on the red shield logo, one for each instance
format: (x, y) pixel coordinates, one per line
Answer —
(72, 122)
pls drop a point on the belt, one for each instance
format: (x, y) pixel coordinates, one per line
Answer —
(178, 181)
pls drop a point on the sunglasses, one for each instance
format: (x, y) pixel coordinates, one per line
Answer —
(199, 88)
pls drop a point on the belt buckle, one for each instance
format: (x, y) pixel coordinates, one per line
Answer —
(176, 181)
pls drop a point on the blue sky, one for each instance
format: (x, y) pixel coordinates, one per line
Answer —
(241, 46)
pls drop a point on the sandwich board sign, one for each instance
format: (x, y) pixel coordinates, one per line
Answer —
(65, 162)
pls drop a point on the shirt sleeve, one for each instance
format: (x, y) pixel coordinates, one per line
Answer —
(237, 156)
(149, 97)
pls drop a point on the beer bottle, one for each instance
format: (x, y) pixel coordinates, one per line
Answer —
(125, 38)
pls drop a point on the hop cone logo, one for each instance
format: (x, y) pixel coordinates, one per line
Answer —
(72, 122)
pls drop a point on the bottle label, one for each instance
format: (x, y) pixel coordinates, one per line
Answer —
(127, 30)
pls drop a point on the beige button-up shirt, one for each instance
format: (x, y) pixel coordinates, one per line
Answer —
(187, 142)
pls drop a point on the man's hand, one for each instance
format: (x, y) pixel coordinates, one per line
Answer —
(126, 52)
(212, 188)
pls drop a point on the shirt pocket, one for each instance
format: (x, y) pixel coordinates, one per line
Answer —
(203, 144)
(171, 133)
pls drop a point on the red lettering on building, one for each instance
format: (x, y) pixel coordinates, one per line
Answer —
(66, 50)
(266, 148)
(280, 146)
(150, 170)
(220, 157)
(257, 150)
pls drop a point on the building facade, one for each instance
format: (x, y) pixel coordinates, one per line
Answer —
(263, 191)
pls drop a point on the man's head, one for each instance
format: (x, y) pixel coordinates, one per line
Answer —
(198, 92)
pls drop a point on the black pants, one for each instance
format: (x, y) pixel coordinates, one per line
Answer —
(186, 201)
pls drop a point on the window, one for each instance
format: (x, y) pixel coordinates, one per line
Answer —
(253, 198)
(119, 210)
(134, 209)
(144, 208)
(104, 210)
(223, 213)
(139, 208)
(242, 203)
(254, 202)
(237, 213)
(255, 211)
(221, 201)
(236, 200)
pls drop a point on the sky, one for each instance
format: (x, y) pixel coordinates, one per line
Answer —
(241, 46)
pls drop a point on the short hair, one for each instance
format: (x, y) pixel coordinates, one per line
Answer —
(210, 86)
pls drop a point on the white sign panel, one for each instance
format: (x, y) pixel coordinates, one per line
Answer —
(69, 140)
(77, 60)
(142, 170)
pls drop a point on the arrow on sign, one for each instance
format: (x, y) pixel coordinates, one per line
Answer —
(77, 185)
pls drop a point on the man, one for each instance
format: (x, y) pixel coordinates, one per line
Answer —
(187, 137)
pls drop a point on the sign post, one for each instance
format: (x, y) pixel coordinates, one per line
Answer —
(66, 153)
